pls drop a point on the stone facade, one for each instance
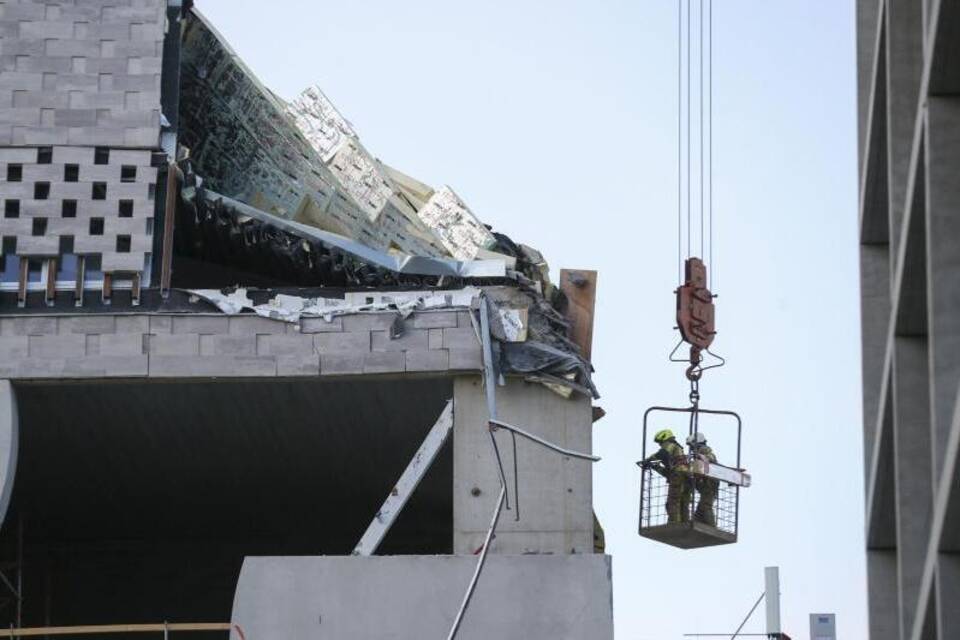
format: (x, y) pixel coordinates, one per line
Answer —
(81, 73)
(215, 345)
(64, 202)
(79, 116)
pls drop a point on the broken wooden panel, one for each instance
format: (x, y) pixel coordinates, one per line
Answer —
(580, 288)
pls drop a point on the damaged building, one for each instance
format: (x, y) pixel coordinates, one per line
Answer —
(254, 381)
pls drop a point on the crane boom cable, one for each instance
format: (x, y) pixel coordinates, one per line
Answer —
(711, 274)
(679, 141)
(689, 110)
(700, 96)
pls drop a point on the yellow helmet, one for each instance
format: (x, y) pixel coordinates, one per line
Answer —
(663, 434)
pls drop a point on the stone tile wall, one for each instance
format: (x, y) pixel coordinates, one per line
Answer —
(200, 345)
(81, 73)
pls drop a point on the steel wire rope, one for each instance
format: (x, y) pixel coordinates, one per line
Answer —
(680, 141)
(700, 96)
(711, 274)
(688, 131)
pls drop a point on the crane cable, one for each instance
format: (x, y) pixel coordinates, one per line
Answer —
(686, 132)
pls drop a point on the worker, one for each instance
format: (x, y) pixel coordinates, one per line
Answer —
(675, 466)
(706, 487)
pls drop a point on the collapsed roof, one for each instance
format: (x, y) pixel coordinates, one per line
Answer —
(287, 191)
(303, 161)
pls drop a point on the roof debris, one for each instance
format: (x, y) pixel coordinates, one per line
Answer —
(286, 193)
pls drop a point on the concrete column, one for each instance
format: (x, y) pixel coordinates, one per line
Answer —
(904, 32)
(555, 498)
(943, 265)
(882, 591)
(912, 467)
(948, 595)
(875, 316)
(867, 20)
(9, 431)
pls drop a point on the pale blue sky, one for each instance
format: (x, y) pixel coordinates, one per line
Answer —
(556, 122)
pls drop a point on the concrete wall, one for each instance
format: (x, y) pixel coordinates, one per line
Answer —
(205, 345)
(416, 597)
(555, 492)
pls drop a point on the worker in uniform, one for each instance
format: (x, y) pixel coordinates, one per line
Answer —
(676, 469)
(706, 487)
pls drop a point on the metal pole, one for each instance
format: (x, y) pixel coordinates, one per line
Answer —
(479, 567)
(772, 589)
(19, 571)
(737, 633)
(498, 424)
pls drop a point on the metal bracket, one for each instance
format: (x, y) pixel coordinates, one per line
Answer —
(407, 484)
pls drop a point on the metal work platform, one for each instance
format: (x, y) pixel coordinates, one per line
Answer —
(698, 506)
(688, 535)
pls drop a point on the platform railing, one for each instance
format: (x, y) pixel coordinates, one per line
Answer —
(721, 512)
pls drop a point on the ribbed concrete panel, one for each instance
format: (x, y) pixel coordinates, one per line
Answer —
(9, 434)
(139, 498)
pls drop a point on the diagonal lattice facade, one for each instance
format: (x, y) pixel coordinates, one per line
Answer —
(909, 116)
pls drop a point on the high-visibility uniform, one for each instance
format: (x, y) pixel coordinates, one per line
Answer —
(679, 489)
(707, 488)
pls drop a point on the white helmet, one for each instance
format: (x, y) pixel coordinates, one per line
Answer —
(697, 439)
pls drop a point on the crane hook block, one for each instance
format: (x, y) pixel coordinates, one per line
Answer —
(695, 311)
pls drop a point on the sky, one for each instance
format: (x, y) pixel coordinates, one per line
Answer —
(557, 123)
